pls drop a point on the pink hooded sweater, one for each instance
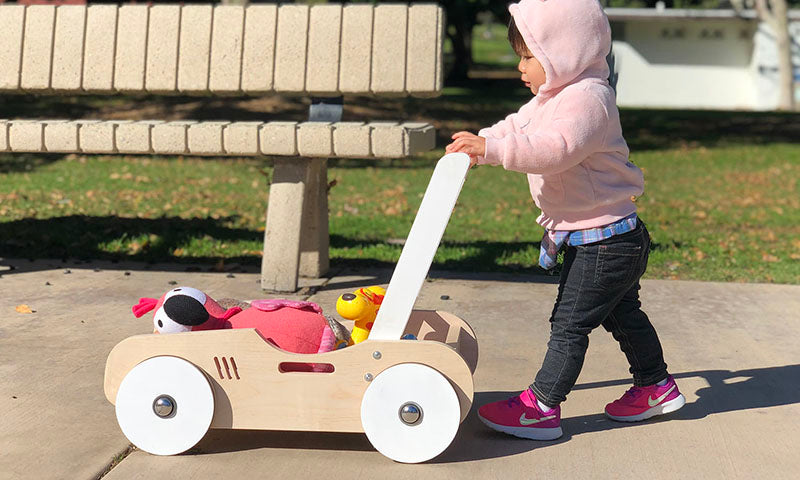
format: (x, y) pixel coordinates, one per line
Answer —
(568, 139)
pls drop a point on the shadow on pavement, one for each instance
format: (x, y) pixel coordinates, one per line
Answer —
(727, 391)
(733, 390)
(221, 441)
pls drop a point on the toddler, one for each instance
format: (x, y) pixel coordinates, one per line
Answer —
(568, 140)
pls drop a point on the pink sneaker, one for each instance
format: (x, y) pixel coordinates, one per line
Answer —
(521, 416)
(641, 403)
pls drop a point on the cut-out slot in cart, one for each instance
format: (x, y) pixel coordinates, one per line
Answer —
(408, 396)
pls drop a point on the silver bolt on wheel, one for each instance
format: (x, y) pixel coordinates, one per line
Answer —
(164, 406)
(411, 413)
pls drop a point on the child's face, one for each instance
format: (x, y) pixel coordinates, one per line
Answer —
(532, 72)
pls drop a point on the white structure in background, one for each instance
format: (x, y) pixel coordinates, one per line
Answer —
(705, 59)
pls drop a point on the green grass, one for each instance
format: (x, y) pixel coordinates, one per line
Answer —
(721, 200)
(729, 213)
(490, 47)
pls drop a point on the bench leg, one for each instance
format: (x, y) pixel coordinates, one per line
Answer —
(281, 261)
(314, 240)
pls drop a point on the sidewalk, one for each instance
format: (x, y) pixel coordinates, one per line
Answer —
(732, 348)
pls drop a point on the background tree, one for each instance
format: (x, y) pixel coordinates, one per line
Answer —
(776, 14)
(462, 16)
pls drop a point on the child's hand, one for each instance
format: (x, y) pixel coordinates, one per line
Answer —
(468, 143)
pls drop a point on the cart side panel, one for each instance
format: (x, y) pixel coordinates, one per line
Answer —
(250, 392)
(446, 328)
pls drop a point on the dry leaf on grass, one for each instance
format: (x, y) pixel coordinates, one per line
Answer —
(23, 309)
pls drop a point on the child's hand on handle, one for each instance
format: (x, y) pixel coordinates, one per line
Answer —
(469, 143)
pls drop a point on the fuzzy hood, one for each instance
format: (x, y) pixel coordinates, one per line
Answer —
(563, 36)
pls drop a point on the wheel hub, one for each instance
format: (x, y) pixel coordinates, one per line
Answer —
(164, 406)
(411, 414)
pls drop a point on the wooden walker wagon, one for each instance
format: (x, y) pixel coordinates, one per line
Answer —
(408, 396)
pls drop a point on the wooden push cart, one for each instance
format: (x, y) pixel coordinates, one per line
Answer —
(408, 396)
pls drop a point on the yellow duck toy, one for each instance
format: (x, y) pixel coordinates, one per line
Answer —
(362, 307)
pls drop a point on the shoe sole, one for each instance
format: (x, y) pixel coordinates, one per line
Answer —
(530, 433)
(666, 407)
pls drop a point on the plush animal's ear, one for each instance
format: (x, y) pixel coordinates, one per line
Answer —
(231, 312)
(144, 306)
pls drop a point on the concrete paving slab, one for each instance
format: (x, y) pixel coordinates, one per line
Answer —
(732, 348)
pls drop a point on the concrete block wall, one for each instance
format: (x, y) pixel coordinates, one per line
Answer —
(308, 139)
(325, 49)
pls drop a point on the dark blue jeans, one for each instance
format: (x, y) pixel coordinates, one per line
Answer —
(600, 286)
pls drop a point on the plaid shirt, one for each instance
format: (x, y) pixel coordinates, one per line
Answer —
(554, 239)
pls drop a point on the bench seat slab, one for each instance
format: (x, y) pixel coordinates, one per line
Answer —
(155, 137)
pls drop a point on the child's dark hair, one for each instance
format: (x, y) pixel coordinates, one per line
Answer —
(516, 40)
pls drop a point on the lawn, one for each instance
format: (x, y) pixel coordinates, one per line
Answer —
(722, 207)
(721, 200)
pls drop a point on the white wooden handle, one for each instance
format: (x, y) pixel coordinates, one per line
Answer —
(423, 240)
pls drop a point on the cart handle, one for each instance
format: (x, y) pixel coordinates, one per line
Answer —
(421, 245)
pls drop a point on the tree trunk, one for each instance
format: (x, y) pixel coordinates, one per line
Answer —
(784, 44)
(461, 39)
(775, 14)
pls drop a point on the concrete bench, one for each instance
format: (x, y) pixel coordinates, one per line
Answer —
(323, 51)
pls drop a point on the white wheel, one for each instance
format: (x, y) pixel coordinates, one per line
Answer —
(410, 413)
(164, 405)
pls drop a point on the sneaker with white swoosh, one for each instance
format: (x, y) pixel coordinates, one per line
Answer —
(641, 403)
(521, 416)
